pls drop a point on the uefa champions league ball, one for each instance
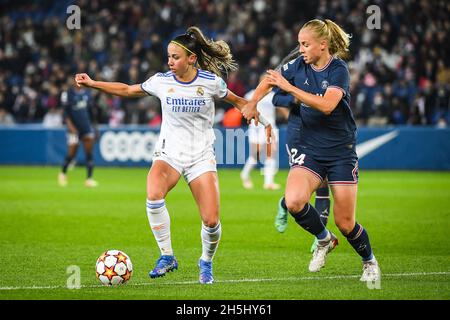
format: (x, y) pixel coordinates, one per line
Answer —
(113, 267)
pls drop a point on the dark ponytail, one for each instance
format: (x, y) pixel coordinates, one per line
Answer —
(214, 56)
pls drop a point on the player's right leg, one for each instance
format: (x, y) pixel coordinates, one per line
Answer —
(301, 182)
(248, 167)
(72, 146)
(270, 163)
(161, 178)
(88, 144)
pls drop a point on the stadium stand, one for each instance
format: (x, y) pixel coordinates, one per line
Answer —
(400, 72)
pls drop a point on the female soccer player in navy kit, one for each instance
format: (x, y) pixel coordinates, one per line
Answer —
(321, 139)
(322, 198)
(185, 144)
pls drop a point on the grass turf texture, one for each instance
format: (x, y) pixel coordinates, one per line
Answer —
(44, 229)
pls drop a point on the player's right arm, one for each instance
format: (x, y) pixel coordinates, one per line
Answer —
(115, 88)
(249, 110)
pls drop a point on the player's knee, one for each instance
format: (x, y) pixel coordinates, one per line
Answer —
(296, 203)
(211, 222)
(154, 194)
(211, 218)
(345, 225)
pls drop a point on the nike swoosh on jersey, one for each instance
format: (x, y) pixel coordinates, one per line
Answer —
(364, 148)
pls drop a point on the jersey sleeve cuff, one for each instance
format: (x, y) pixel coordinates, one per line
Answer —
(225, 95)
(283, 100)
(142, 87)
(343, 91)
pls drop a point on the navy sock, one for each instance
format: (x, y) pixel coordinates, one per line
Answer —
(322, 204)
(308, 219)
(283, 204)
(66, 164)
(89, 165)
(359, 239)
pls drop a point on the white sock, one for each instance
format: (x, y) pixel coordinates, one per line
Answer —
(249, 165)
(269, 170)
(159, 220)
(210, 241)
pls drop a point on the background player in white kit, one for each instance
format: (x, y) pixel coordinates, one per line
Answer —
(185, 145)
(257, 140)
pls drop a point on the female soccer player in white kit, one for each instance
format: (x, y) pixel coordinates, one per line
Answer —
(185, 145)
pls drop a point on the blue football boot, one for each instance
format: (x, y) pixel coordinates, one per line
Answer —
(206, 276)
(163, 265)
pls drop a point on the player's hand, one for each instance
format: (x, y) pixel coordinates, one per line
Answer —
(82, 79)
(275, 78)
(250, 112)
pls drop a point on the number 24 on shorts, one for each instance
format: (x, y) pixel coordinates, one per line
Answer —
(298, 160)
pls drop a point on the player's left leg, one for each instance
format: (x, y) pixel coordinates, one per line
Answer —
(205, 189)
(344, 214)
(88, 143)
(281, 219)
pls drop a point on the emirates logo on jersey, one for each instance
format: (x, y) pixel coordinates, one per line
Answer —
(200, 91)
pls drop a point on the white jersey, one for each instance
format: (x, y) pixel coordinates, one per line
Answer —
(187, 113)
(265, 107)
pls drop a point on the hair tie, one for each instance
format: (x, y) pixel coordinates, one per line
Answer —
(190, 34)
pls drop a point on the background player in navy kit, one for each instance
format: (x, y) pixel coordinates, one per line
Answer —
(321, 139)
(78, 112)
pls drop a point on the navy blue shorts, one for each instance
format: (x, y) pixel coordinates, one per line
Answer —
(339, 172)
(85, 131)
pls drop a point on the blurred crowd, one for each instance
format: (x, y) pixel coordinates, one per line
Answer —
(400, 72)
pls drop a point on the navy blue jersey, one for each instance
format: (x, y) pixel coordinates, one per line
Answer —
(77, 104)
(326, 137)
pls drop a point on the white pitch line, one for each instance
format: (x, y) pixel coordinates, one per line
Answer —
(154, 282)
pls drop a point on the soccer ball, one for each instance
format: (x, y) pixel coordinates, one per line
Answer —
(113, 267)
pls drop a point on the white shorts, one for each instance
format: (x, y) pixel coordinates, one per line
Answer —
(191, 170)
(257, 135)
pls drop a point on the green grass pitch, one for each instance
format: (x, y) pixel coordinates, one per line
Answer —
(44, 229)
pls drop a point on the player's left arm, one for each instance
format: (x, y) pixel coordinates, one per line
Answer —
(235, 100)
(239, 103)
(326, 103)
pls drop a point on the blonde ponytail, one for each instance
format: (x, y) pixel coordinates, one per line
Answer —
(338, 39)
